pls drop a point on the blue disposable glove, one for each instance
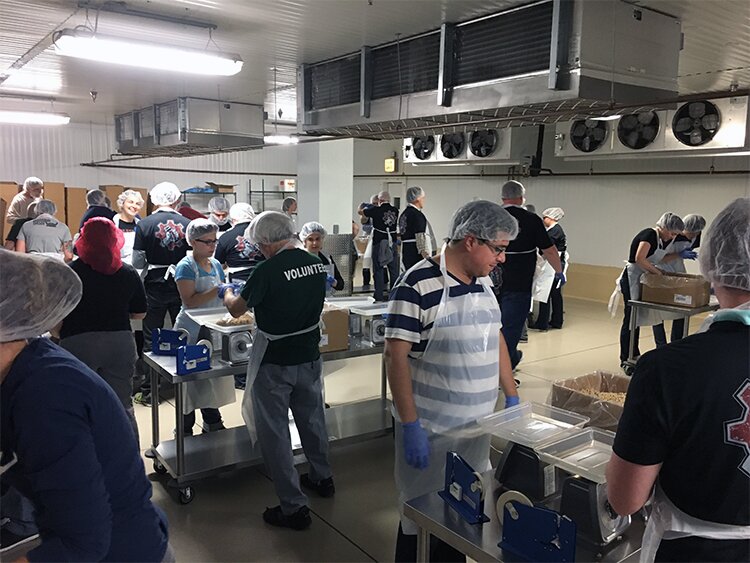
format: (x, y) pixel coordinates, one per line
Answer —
(688, 254)
(512, 401)
(222, 289)
(330, 281)
(560, 277)
(416, 445)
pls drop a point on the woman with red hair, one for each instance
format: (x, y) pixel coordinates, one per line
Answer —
(98, 330)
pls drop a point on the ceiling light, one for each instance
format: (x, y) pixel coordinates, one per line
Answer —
(83, 44)
(33, 118)
(606, 117)
(280, 140)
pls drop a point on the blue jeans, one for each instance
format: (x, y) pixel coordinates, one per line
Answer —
(514, 306)
(381, 292)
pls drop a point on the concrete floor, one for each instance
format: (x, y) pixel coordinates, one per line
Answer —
(223, 523)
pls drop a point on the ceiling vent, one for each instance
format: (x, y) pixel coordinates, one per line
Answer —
(545, 62)
(190, 126)
(483, 147)
(712, 127)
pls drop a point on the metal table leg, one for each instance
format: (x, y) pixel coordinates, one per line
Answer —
(154, 407)
(633, 326)
(179, 430)
(423, 543)
(383, 393)
(686, 327)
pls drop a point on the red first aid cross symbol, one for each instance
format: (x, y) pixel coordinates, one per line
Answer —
(738, 431)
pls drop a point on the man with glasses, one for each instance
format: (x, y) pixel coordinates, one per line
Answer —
(446, 358)
(520, 264)
(159, 245)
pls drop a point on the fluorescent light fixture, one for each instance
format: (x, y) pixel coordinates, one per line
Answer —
(606, 117)
(83, 44)
(33, 118)
(280, 140)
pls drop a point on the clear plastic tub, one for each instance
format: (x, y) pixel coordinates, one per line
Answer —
(532, 424)
(585, 453)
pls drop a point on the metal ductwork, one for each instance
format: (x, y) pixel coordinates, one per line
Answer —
(190, 126)
(544, 62)
(700, 127)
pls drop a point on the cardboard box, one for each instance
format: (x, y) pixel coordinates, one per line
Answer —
(55, 191)
(605, 414)
(683, 290)
(8, 191)
(75, 207)
(222, 188)
(334, 336)
(3, 207)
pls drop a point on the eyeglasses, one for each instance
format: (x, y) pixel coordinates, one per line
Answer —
(207, 242)
(497, 250)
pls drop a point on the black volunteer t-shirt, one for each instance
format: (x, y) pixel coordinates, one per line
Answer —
(126, 226)
(384, 220)
(96, 211)
(326, 260)
(688, 408)
(107, 301)
(411, 222)
(520, 257)
(162, 236)
(287, 293)
(646, 235)
(557, 236)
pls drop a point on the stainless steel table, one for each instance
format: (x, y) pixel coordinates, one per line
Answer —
(685, 312)
(188, 458)
(434, 516)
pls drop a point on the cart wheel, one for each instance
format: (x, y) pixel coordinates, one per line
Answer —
(159, 468)
(186, 495)
(628, 369)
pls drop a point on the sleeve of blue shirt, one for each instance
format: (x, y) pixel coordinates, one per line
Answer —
(58, 456)
(184, 271)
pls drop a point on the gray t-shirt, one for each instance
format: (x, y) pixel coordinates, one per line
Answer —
(44, 234)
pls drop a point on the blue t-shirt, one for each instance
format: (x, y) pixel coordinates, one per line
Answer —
(185, 271)
(78, 461)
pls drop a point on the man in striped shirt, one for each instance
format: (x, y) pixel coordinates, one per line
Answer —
(445, 356)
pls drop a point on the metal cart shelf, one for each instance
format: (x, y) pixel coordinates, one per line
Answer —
(190, 458)
(686, 313)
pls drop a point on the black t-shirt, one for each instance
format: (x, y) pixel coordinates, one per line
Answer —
(126, 226)
(96, 211)
(411, 222)
(557, 236)
(687, 408)
(236, 251)
(679, 238)
(107, 301)
(225, 227)
(384, 220)
(646, 235)
(520, 258)
(162, 236)
(327, 260)
(16, 228)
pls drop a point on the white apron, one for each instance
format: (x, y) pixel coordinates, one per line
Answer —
(454, 383)
(669, 522)
(367, 258)
(126, 253)
(647, 317)
(209, 393)
(544, 276)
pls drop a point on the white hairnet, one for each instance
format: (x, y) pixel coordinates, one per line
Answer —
(555, 213)
(129, 194)
(725, 254)
(482, 219)
(374, 199)
(38, 293)
(671, 222)
(413, 194)
(164, 194)
(32, 181)
(384, 196)
(218, 204)
(512, 190)
(310, 228)
(241, 213)
(288, 203)
(45, 206)
(694, 223)
(270, 227)
(95, 197)
(199, 227)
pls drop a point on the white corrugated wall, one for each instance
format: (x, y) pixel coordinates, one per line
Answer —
(55, 154)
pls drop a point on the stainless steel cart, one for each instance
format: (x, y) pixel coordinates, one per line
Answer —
(189, 458)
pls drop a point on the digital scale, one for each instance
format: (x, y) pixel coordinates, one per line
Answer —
(234, 342)
(369, 322)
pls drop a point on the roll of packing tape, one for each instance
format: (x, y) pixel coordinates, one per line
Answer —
(478, 485)
(508, 496)
(207, 343)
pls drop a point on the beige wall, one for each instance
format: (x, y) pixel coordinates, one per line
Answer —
(592, 283)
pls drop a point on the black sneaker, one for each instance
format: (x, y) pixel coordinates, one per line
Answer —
(324, 488)
(300, 520)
